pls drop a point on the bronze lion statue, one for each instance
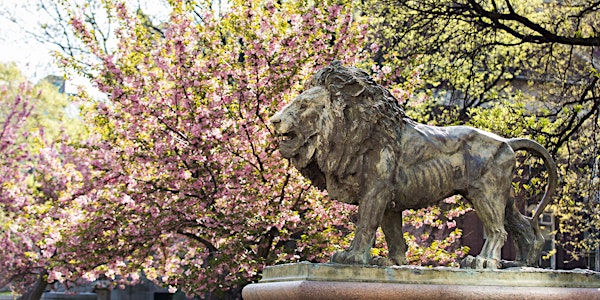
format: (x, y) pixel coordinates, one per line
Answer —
(350, 136)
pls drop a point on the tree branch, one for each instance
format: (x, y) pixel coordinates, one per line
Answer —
(545, 36)
(211, 248)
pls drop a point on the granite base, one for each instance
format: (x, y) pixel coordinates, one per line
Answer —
(334, 281)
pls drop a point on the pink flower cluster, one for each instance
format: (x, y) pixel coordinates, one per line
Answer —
(188, 185)
(179, 176)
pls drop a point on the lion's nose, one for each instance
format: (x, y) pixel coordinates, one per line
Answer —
(275, 119)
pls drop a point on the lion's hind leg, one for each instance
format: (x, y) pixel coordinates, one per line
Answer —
(490, 208)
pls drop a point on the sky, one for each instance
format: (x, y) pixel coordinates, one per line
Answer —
(33, 57)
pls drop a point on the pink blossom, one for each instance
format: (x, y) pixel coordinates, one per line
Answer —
(374, 47)
(180, 176)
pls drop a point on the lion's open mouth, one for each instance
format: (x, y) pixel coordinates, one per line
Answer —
(288, 136)
(289, 143)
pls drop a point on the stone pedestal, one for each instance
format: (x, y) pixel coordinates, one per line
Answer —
(336, 282)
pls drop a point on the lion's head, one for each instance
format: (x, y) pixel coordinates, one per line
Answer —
(301, 123)
(341, 111)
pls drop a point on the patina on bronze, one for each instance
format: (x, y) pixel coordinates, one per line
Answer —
(350, 136)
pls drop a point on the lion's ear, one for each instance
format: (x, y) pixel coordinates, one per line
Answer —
(354, 89)
(349, 86)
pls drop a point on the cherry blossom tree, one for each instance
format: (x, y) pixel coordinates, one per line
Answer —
(14, 240)
(35, 176)
(179, 178)
(189, 186)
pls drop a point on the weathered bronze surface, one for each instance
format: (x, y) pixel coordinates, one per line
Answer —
(350, 136)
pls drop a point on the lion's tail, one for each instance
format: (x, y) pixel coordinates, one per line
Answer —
(541, 152)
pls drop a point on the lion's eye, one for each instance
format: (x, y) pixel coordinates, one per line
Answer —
(303, 105)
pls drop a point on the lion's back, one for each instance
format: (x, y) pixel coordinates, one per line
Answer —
(428, 139)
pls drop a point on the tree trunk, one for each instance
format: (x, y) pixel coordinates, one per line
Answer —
(37, 290)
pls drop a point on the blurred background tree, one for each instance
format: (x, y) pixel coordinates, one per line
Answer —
(517, 68)
(36, 171)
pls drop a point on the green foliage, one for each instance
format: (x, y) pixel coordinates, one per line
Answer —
(516, 68)
(50, 107)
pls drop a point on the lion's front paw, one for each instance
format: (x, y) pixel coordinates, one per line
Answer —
(479, 262)
(339, 257)
(388, 261)
(345, 257)
(381, 261)
(399, 260)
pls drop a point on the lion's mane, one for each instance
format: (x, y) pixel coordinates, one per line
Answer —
(366, 117)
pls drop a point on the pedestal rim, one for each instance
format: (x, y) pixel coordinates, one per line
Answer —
(525, 277)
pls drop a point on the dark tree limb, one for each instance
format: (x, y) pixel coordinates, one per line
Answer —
(211, 248)
(35, 293)
(543, 35)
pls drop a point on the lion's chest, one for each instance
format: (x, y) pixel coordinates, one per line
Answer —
(344, 189)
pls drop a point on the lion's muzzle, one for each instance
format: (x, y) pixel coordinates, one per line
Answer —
(288, 138)
(278, 126)
(275, 121)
